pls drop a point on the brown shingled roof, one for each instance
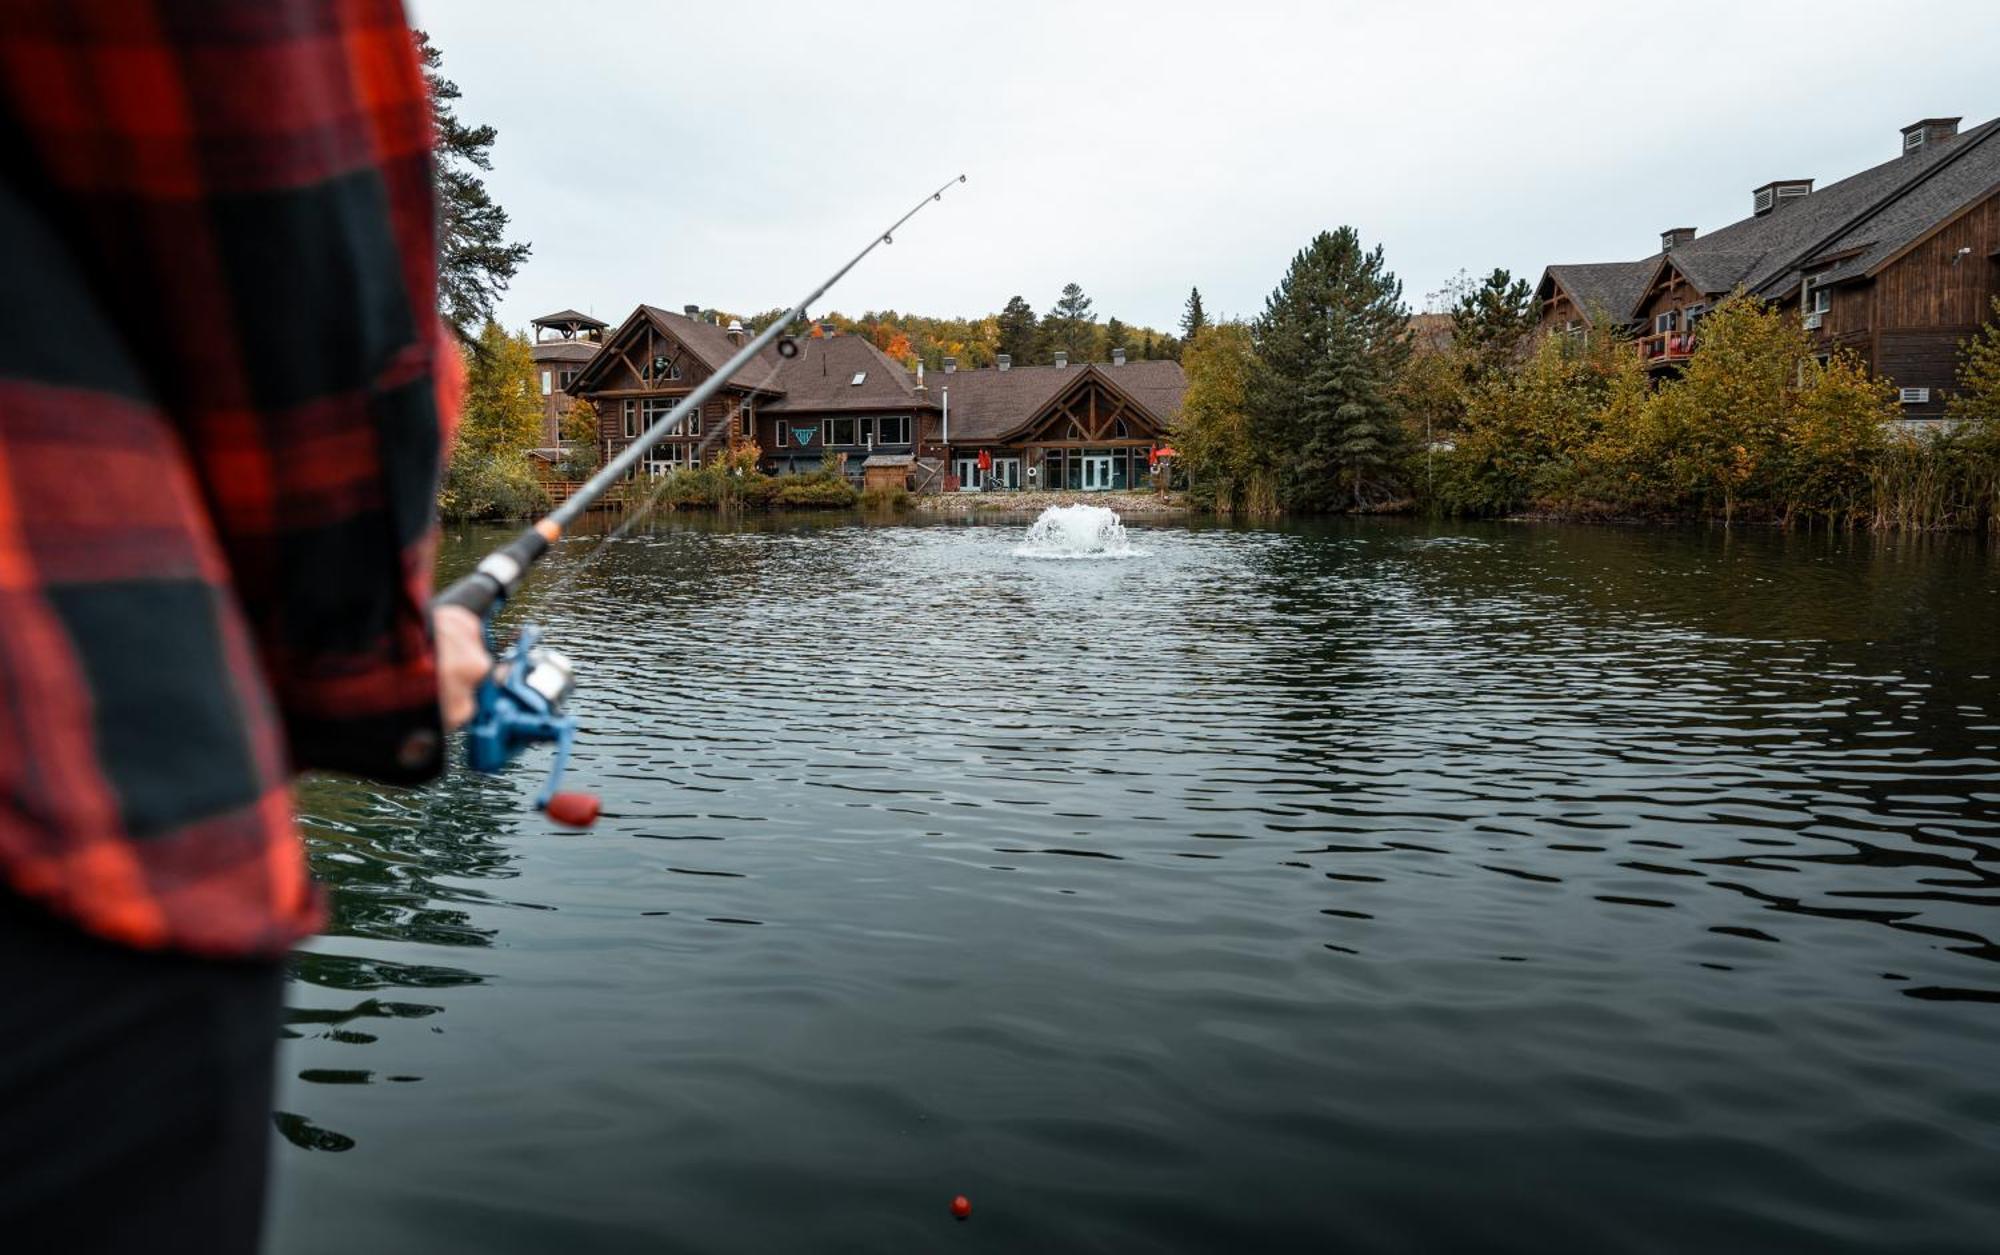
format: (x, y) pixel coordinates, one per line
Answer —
(821, 378)
(991, 404)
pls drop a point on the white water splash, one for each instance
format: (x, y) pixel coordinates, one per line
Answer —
(1078, 531)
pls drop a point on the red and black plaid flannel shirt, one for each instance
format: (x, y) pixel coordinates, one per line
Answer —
(222, 401)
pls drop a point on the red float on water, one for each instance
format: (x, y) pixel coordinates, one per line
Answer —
(961, 1207)
(578, 810)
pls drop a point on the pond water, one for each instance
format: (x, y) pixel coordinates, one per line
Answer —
(1360, 886)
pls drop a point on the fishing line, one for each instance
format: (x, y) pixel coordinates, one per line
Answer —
(522, 700)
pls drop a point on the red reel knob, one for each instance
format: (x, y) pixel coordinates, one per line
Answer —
(575, 810)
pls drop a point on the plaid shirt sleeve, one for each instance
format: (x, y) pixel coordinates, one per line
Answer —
(222, 402)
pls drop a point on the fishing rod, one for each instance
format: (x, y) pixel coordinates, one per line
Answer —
(523, 699)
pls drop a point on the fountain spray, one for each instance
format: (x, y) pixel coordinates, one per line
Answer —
(524, 699)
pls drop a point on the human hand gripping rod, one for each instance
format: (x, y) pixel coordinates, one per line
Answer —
(523, 699)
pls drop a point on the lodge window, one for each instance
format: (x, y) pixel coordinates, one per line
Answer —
(548, 382)
(660, 370)
(631, 419)
(1670, 320)
(893, 429)
(564, 380)
(837, 431)
(746, 415)
(1819, 300)
(1695, 314)
(653, 409)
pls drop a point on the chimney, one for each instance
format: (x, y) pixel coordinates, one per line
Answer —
(1118, 356)
(828, 330)
(736, 331)
(1777, 192)
(1675, 235)
(951, 366)
(692, 311)
(1918, 136)
(920, 376)
(1005, 361)
(1062, 358)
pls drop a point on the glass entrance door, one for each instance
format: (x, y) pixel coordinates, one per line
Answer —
(966, 471)
(1096, 472)
(1007, 473)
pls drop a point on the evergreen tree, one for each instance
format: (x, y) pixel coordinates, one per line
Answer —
(1332, 341)
(1115, 335)
(1146, 348)
(475, 259)
(1020, 332)
(1492, 320)
(1193, 316)
(1071, 325)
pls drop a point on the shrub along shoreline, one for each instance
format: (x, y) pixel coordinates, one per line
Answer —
(1325, 403)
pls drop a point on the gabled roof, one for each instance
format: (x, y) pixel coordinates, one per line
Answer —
(821, 378)
(1602, 289)
(1894, 201)
(1877, 239)
(992, 404)
(564, 317)
(712, 347)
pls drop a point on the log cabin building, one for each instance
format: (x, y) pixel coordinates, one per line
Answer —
(1089, 427)
(1899, 263)
(563, 343)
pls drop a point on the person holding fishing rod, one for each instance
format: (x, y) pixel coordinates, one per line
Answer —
(223, 395)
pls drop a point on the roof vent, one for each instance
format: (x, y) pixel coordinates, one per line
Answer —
(1918, 135)
(1005, 361)
(951, 366)
(1118, 357)
(1777, 192)
(1062, 358)
(692, 311)
(1675, 235)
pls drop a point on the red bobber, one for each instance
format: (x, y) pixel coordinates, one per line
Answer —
(575, 810)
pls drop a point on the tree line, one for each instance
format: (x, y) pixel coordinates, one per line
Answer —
(1332, 399)
(1028, 339)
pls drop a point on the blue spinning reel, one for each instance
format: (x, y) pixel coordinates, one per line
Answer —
(521, 703)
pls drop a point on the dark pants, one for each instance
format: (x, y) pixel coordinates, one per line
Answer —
(135, 1094)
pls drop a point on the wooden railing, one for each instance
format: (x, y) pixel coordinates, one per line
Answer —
(1670, 346)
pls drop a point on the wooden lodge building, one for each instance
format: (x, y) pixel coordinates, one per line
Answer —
(1899, 263)
(564, 342)
(1087, 426)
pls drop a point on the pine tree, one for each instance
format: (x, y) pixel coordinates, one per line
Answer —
(1193, 316)
(1020, 332)
(1491, 321)
(1070, 324)
(475, 260)
(1115, 335)
(1331, 341)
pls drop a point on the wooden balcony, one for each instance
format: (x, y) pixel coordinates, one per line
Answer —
(1669, 348)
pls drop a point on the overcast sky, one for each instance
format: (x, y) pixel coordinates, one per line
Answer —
(732, 154)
